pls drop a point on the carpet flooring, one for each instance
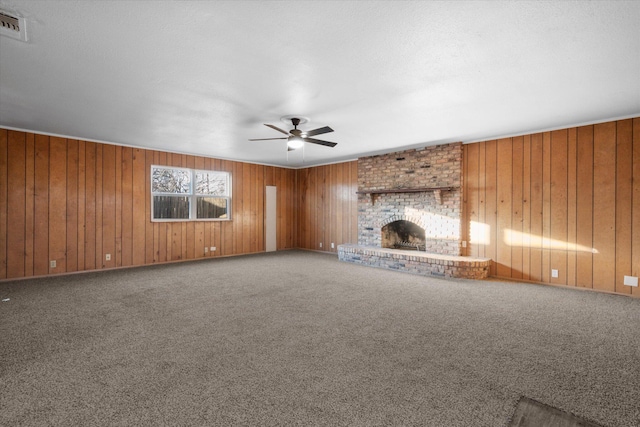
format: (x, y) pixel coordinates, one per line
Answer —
(299, 338)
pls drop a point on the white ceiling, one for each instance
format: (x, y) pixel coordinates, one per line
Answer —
(201, 77)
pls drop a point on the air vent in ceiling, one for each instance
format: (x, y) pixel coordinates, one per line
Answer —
(12, 26)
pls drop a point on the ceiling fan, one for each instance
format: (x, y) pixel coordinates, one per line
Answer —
(296, 137)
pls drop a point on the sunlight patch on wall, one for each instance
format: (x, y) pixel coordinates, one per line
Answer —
(518, 238)
(479, 233)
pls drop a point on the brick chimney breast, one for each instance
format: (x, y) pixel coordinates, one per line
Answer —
(428, 168)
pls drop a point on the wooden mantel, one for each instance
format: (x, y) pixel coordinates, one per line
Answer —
(436, 190)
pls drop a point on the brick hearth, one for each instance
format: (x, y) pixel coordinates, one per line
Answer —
(422, 263)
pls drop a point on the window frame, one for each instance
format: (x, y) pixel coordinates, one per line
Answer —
(192, 196)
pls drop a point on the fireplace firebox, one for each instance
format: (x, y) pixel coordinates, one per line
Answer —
(403, 234)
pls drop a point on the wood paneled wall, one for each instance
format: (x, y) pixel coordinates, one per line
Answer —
(327, 206)
(74, 202)
(567, 200)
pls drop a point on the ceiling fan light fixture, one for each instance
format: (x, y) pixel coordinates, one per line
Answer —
(295, 142)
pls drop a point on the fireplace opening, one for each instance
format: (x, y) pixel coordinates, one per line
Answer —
(403, 234)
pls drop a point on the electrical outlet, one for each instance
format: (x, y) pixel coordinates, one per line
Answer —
(320, 244)
(554, 273)
(464, 243)
(332, 246)
(52, 263)
(631, 281)
(213, 248)
(206, 250)
(107, 257)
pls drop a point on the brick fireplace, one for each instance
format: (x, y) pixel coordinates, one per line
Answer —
(420, 191)
(431, 177)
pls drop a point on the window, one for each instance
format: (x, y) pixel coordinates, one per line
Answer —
(180, 194)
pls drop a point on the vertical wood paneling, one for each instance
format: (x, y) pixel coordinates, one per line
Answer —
(558, 206)
(472, 191)
(283, 200)
(295, 208)
(464, 227)
(604, 205)
(546, 206)
(330, 215)
(526, 208)
(353, 203)
(325, 205)
(313, 212)
(491, 209)
(41, 207)
(244, 243)
(303, 204)
(109, 205)
(285, 215)
(482, 200)
(4, 206)
(16, 198)
(516, 208)
(90, 207)
(99, 214)
(339, 206)
(29, 226)
(320, 206)
(238, 221)
(584, 208)
(571, 205)
(253, 226)
(58, 203)
(260, 209)
(82, 202)
(127, 207)
(118, 208)
(139, 209)
(635, 206)
(504, 206)
(536, 208)
(72, 205)
(579, 194)
(624, 187)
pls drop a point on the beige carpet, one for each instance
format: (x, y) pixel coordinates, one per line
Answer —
(299, 338)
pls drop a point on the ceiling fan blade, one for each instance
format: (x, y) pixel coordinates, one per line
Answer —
(277, 128)
(320, 142)
(319, 131)
(265, 139)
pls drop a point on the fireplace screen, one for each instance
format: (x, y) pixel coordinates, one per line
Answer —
(403, 234)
